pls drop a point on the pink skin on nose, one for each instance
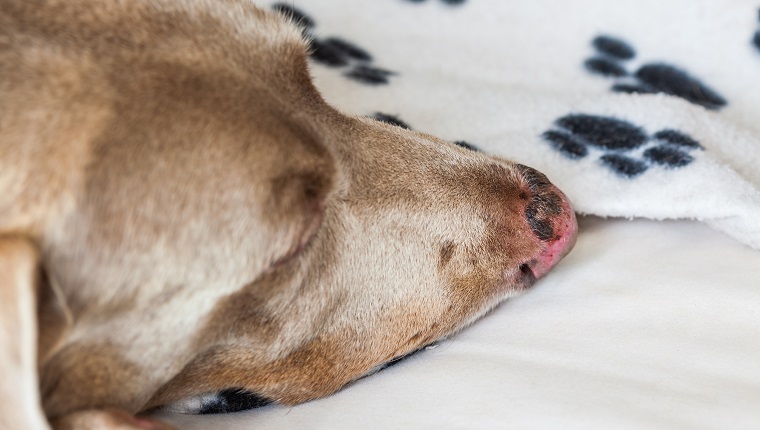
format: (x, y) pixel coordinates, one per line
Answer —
(565, 232)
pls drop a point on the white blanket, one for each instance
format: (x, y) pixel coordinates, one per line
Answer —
(549, 83)
(636, 109)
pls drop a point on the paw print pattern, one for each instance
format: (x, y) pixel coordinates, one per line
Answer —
(625, 148)
(394, 120)
(448, 2)
(335, 52)
(651, 78)
(756, 37)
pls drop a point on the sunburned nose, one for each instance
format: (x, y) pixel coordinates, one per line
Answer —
(551, 219)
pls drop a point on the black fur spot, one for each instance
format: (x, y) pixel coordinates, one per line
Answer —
(390, 119)
(675, 137)
(668, 156)
(624, 166)
(674, 81)
(604, 132)
(369, 75)
(605, 67)
(300, 18)
(566, 144)
(613, 47)
(234, 400)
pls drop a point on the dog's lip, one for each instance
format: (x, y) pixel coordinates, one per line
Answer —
(526, 274)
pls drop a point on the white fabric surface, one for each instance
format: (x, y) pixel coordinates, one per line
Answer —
(644, 325)
(499, 73)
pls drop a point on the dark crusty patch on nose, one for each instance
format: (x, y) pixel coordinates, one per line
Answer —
(544, 204)
(542, 207)
(535, 180)
(548, 203)
(540, 226)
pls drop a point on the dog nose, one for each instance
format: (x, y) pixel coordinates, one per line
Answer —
(550, 216)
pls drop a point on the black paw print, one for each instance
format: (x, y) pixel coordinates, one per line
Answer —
(448, 2)
(576, 135)
(335, 52)
(394, 120)
(756, 37)
(650, 78)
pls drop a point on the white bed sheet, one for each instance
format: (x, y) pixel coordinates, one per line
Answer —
(644, 325)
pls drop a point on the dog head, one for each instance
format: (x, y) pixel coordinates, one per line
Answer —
(232, 230)
(418, 238)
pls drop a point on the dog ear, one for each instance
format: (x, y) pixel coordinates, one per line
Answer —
(19, 399)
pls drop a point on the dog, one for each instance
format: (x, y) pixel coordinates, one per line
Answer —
(181, 213)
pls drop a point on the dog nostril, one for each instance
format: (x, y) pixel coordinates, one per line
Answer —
(527, 273)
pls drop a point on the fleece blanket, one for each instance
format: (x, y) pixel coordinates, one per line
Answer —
(635, 108)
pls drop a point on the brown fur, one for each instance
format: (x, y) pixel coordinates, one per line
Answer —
(201, 219)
